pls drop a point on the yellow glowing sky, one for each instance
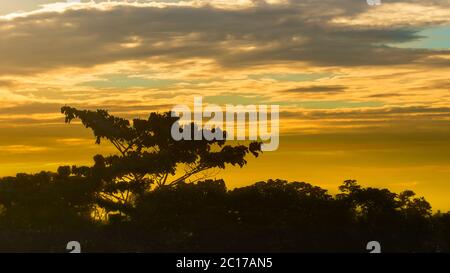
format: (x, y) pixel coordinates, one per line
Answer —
(363, 91)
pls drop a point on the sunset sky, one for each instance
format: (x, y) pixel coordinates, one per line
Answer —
(363, 90)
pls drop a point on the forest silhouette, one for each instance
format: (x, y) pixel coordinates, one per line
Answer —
(154, 195)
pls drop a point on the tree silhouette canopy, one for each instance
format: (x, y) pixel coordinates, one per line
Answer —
(148, 155)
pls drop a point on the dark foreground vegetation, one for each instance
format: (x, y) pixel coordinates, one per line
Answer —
(43, 212)
(139, 200)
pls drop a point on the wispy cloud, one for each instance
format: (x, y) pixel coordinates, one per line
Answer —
(21, 149)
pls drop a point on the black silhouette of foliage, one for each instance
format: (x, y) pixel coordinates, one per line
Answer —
(43, 211)
(152, 207)
(148, 155)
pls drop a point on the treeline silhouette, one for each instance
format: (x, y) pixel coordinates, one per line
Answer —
(152, 196)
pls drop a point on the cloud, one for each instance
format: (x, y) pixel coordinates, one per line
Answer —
(30, 108)
(21, 149)
(387, 95)
(417, 112)
(400, 13)
(74, 141)
(317, 89)
(442, 85)
(33, 112)
(6, 83)
(125, 81)
(250, 34)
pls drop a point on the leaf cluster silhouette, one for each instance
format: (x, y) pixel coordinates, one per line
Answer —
(154, 195)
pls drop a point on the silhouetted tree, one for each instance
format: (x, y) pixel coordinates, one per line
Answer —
(389, 216)
(39, 212)
(148, 155)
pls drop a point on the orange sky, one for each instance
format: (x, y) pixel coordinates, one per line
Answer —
(363, 91)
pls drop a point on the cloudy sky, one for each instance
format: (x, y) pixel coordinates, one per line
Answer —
(363, 90)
